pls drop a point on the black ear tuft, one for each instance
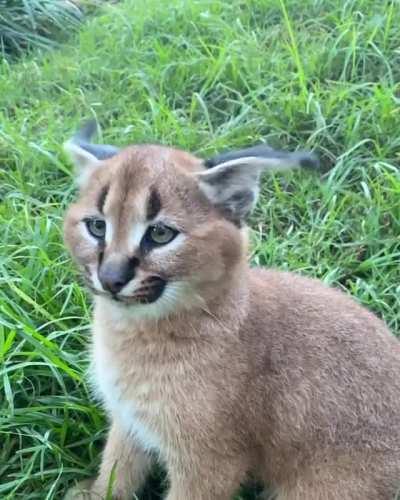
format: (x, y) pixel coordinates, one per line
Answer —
(256, 151)
(308, 160)
(303, 159)
(86, 132)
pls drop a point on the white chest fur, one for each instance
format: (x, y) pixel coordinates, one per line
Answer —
(127, 397)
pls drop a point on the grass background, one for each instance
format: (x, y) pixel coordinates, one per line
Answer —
(203, 75)
(28, 24)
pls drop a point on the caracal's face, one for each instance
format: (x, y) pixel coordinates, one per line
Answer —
(146, 236)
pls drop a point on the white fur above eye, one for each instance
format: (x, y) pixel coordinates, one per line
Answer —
(109, 232)
(136, 235)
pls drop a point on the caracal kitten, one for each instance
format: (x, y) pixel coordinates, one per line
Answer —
(220, 371)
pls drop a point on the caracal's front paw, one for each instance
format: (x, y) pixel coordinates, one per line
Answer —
(83, 491)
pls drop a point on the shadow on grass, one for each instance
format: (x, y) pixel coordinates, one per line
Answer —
(156, 487)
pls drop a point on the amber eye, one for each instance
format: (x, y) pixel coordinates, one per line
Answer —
(161, 234)
(96, 227)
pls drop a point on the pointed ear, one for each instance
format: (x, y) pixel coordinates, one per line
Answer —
(85, 155)
(232, 184)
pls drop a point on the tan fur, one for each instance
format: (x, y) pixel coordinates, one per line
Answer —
(251, 372)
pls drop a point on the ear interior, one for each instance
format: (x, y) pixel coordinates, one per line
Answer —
(233, 185)
(79, 155)
(84, 161)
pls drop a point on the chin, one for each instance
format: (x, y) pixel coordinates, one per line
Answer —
(156, 294)
(124, 311)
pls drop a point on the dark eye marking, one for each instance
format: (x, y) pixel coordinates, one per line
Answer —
(153, 204)
(102, 198)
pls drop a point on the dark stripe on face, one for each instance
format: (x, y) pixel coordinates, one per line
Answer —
(100, 252)
(100, 256)
(102, 198)
(153, 205)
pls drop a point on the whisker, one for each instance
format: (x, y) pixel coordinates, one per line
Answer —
(213, 316)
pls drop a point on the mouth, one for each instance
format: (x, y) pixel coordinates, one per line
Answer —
(149, 292)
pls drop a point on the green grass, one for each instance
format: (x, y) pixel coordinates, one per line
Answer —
(27, 24)
(205, 76)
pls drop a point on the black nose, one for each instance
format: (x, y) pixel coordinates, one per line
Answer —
(115, 274)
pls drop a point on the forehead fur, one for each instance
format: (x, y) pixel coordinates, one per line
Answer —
(133, 176)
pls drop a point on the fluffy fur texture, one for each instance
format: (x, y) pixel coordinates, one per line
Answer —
(231, 372)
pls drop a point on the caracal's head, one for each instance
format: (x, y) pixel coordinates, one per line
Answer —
(157, 230)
